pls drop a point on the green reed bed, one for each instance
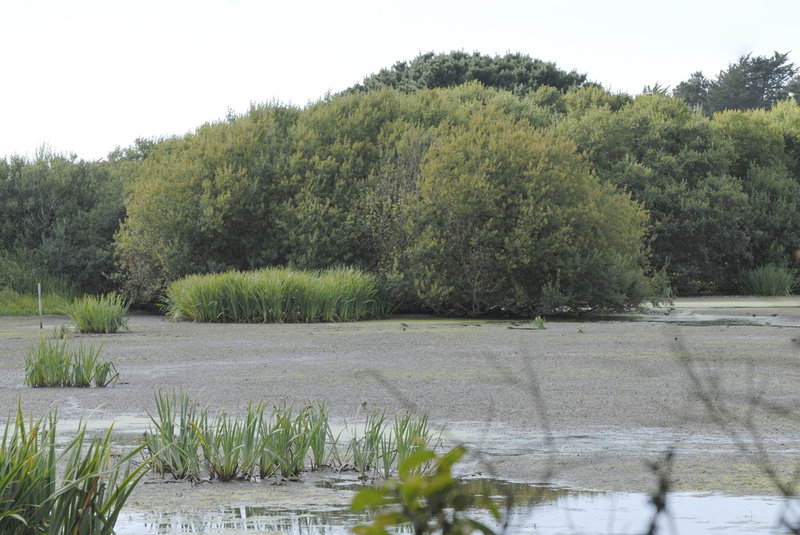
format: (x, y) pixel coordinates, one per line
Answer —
(102, 314)
(278, 295)
(72, 489)
(279, 442)
(54, 362)
(769, 280)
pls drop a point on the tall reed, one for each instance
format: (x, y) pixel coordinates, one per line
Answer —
(103, 314)
(54, 362)
(279, 295)
(187, 443)
(173, 443)
(769, 280)
(88, 496)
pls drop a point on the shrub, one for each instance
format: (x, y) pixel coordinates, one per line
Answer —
(104, 314)
(768, 280)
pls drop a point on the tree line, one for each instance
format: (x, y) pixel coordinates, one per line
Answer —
(546, 192)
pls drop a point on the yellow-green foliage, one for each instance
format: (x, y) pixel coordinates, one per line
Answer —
(278, 295)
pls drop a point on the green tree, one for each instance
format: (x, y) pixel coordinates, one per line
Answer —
(752, 82)
(206, 202)
(671, 159)
(694, 90)
(508, 218)
(516, 73)
(59, 216)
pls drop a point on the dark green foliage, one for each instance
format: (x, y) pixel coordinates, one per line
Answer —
(751, 83)
(205, 202)
(59, 216)
(516, 73)
(673, 161)
(769, 280)
(353, 180)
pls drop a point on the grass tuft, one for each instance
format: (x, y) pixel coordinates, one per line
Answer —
(278, 295)
(77, 490)
(53, 362)
(768, 280)
(188, 444)
(104, 314)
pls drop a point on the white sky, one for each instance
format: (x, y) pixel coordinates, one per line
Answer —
(87, 76)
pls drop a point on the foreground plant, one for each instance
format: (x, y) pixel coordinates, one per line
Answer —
(54, 362)
(427, 501)
(173, 443)
(103, 314)
(85, 498)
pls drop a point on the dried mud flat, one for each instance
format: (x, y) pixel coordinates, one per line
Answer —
(580, 404)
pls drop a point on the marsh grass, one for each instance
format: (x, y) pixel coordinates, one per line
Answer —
(85, 499)
(768, 280)
(281, 442)
(173, 443)
(54, 362)
(103, 314)
(19, 282)
(377, 448)
(278, 295)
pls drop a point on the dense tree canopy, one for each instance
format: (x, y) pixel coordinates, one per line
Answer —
(750, 83)
(59, 215)
(520, 191)
(516, 73)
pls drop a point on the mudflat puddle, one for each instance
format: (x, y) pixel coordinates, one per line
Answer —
(561, 512)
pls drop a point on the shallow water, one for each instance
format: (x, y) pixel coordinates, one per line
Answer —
(538, 509)
(561, 512)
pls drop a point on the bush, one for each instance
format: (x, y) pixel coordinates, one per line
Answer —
(105, 314)
(769, 280)
(505, 211)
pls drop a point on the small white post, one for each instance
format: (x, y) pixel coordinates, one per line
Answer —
(40, 306)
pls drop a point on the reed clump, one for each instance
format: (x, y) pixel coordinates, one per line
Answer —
(99, 314)
(278, 295)
(75, 489)
(280, 441)
(769, 280)
(55, 362)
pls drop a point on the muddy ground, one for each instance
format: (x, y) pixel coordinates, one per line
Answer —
(582, 404)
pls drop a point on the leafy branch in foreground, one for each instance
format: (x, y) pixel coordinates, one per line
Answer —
(430, 502)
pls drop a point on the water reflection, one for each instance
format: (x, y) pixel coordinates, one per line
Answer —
(539, 510)
(244, 520)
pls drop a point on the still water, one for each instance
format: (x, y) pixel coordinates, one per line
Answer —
(538, 510)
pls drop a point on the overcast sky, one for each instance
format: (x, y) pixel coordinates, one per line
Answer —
(84, 76)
